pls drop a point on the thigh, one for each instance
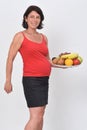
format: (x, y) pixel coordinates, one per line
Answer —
(37, 111)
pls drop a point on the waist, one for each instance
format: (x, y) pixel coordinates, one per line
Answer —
(37, 70)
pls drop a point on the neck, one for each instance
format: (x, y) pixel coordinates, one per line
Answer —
(31, 32)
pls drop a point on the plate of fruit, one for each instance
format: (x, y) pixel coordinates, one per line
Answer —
(67, 59)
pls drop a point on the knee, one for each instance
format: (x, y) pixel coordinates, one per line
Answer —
(34, 122)
(37, 114)
(38, 118)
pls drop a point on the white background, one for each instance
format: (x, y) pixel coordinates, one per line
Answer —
(65, 25)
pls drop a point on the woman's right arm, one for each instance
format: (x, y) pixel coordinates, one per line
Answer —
(15, 45)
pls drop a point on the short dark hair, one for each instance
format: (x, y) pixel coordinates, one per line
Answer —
(29, 10)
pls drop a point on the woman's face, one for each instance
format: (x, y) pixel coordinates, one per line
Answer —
(33, 20)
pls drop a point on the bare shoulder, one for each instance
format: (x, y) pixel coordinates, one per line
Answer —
(18, 37)
(45, 37)
(16, 41)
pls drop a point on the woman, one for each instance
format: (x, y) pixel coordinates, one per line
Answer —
(32, 46)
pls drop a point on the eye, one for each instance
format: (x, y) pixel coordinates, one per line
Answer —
(31, 16)
(38, 17)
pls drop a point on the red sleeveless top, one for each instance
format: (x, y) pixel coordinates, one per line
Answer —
(34, 55)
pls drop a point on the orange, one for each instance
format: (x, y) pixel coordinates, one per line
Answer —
(69, 62)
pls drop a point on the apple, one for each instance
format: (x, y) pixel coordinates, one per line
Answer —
(76, 61)
(60, 61)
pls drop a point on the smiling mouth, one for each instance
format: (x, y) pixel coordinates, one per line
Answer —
(34, 24)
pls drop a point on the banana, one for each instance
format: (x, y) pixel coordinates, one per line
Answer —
(64, 56)
(71, 56)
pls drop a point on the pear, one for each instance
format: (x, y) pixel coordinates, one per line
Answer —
(80, 59)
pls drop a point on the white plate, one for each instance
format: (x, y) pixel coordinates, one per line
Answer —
(64, 66)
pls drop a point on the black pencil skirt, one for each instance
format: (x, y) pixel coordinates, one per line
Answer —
(36, 90)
